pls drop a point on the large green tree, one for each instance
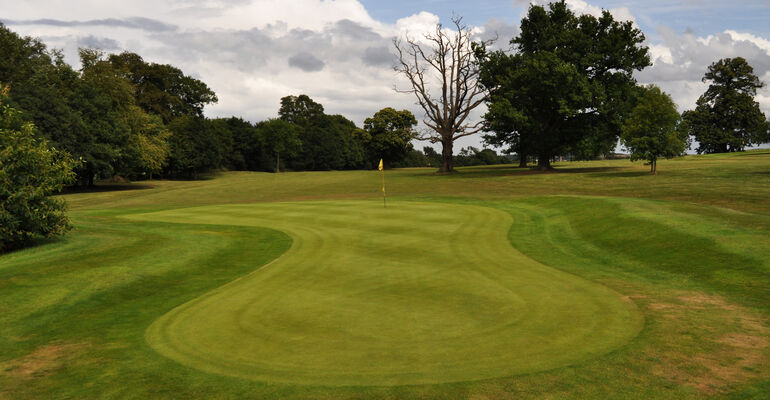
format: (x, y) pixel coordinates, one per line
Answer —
(389, 135)
(569, 78)
(163, 89)
(329, 142)
(30, 171)
(194, 147)
(650, 129)
(279, 138)
(726, 118)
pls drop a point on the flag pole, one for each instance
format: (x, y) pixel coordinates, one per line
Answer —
(382, 170)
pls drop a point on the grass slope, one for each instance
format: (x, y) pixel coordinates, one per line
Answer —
(688, 249)
(416, 293)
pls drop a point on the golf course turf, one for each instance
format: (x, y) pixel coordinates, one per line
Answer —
(595, 281)
(412, 294)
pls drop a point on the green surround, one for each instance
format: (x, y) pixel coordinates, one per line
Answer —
(417, 293)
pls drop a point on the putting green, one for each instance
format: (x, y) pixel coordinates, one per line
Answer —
(416, 293)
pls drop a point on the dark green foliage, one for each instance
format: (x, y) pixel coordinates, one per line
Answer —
(468, 156)
(247, 153)
(432, 156)
(413, 158)
(102, 97)
(279, 138)
(388, 135)
(726, 117)
(473, 156)
(195, 146)
(30, 171)
(329, 142)
(570, 79)
(300, 110)
(162, 89)
(43, 88)
(650, 130)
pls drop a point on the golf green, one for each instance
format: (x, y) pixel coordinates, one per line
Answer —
(415, 293)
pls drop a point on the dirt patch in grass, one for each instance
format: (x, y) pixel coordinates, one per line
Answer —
(745, 341)
(713, 344)
(40, 362)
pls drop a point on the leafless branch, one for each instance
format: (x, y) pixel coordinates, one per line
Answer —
(444, 57)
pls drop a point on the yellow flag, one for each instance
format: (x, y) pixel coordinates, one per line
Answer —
(380, 166)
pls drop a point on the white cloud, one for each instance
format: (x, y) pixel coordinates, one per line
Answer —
(681, 60)
(756, 40)
(342, 57)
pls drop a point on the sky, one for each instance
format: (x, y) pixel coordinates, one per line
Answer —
(340, 52)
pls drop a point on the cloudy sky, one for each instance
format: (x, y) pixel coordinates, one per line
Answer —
(339, 52)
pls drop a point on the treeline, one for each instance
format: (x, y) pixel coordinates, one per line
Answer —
(121, 116)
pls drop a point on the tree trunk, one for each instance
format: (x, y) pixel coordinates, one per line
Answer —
(91, 179)
(544, 162)
(277, 162)
(654, 166)
(446, 156)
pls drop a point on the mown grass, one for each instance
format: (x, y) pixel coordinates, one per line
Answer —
(688, 248)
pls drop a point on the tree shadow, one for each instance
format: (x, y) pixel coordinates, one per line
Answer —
(30, 244)
(508, 170)
(624, 174)
(107, 187)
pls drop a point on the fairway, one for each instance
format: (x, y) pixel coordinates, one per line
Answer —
(598, 281)
(417, 293)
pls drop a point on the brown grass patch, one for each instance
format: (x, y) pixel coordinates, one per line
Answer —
(718, 344)
(40, 362)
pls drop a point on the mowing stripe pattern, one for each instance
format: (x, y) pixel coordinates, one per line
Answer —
(417, 293)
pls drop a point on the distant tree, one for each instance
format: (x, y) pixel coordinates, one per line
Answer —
(390, 135)
(448, 59)
(162, 89)
(568, 80)
(194, 147)
(432, 156)
(300, 110)
(248, 153)
(280, 138)
(30, 171)
(473, 156)
(726, 118)
(102, 97)
(148, 149)
(650, 130)
(413, 158)
(329, 142)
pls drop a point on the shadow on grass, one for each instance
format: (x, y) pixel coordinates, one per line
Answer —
(32, 243)
(624, 174)
(516, 171)
(492, 171)
(107, 187)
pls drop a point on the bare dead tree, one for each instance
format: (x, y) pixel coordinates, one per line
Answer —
(445, 59)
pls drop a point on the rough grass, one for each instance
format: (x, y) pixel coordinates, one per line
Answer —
(688, 249)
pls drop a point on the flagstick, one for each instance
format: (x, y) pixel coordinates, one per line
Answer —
(383, 188)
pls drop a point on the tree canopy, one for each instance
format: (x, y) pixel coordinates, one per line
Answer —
(726, 117)
(569, 79)
(280, 138)
(389, 135)
(30, 171)
(650, 129)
